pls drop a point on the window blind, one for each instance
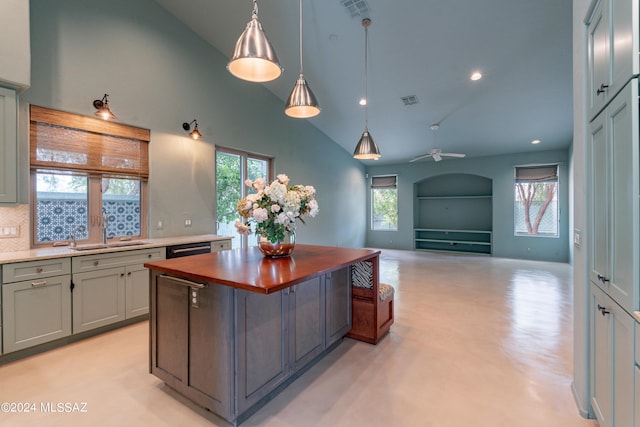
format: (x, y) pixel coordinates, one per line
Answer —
(70, 142)
(544, 173)
(388, 181)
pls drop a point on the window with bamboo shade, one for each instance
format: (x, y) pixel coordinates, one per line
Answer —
(81, 166)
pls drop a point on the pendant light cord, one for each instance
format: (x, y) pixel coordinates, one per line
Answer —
(366, 22)
(255, 9)
(301, 38)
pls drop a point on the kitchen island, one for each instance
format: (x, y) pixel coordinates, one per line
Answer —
(230, 330)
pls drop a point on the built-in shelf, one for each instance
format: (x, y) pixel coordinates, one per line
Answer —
(453, 213)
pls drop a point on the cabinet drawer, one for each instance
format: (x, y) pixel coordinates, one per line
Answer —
(34, 270)
(116, 259)
(220, 245)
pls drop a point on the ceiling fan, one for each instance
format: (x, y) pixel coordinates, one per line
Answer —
(436, 153)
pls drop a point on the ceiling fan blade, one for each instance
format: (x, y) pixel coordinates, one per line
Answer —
(424, 156)
(436, 157)
(459, 155)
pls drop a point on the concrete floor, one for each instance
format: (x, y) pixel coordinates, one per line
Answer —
(477, 341)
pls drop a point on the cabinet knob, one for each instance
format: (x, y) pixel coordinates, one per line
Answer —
(39, 270)
(95, 263)
(149, 256)
(603, 310)
(602, 89)
(129, 274)
(121, 274)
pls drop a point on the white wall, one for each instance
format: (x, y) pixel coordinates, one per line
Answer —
(159, 74)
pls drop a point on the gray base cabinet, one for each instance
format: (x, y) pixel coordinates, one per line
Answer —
(111, 287)
(230, 350)
(35, 312)
(36, 303)
(98, 298)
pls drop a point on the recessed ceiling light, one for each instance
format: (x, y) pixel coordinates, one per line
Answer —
(535, 141)
(363, 101)
(476, 76)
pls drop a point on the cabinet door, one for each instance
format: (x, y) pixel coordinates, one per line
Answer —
(136, 291)
(35, 312)
(622, 121)
(598, 57)
(600, 181)
(623, 365)
(261, 345)
(8, 146)
(98, 298)
(191, 348)
(624, 43)
(601, 359)
(306, 321)
(338, 300)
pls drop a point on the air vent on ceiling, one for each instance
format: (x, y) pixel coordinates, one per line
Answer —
(356, 7)
(410, 100)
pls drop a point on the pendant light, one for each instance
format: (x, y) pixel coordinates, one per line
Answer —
(254, 59)
(302, 103)
(366, 148)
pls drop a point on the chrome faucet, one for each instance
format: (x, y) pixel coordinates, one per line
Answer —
(74, 237)
(105, 224)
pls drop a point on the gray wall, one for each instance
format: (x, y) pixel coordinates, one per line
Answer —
(501, 170)
(159, 74)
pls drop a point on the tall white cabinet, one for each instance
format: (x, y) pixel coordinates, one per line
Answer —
(614, 198)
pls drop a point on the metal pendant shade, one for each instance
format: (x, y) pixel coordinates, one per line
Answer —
(367, 149)
(302, 103)
(254, 58)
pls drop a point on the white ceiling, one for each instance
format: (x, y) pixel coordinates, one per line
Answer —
(426, 48)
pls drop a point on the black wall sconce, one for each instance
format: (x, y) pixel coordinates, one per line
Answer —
(102, 108)
(195, 133)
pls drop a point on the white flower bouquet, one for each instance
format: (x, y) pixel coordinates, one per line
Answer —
(274, 209)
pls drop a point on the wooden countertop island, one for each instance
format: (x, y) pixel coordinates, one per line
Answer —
(230, 330)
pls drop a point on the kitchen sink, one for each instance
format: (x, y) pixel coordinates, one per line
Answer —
(89, 247)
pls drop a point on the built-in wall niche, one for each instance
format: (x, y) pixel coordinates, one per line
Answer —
(454, 213)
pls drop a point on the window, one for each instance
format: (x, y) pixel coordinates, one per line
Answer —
(82, 167)
(384, 202)
(233, 167)
(536, 201)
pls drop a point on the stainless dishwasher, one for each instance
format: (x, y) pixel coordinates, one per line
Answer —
(186, 249)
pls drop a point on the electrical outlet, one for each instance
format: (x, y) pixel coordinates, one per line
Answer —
(9, 231)
(160, 225)
(187, 222)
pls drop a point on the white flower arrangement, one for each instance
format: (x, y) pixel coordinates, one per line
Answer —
(275, 208)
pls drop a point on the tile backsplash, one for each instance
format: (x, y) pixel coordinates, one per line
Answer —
(15, 217)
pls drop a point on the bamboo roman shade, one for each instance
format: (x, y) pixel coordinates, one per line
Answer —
(71, 142)
(537, 173)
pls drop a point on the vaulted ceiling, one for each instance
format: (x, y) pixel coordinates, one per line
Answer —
(422, 48)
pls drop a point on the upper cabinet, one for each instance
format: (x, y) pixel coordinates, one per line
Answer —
(8, 146)
(15, 44)
(612, 27)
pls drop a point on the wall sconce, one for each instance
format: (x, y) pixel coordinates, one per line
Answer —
(195, 133)
(102, 108)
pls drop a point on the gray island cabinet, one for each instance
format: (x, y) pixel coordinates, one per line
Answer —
(229, 330)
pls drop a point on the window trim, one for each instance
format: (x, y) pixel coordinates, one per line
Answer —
(557, 180)
(243, 176)
(384, 184)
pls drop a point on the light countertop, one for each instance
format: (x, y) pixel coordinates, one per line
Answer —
(66, 251)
